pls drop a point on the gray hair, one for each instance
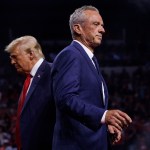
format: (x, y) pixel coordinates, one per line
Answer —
(78, 16)
(26, 43)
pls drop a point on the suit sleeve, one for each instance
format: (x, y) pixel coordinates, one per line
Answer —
(66, 88)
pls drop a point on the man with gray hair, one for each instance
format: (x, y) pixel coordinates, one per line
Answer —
(80, 92)
(36, 111)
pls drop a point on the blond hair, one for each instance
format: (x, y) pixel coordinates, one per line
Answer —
(26, 43)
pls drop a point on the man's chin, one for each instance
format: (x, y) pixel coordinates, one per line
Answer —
(97, 44)
(99, 41)
(20, 71)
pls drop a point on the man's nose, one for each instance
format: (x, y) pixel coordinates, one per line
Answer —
(12, 61)
(102, 30)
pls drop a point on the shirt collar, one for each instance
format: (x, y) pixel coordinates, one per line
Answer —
(88, 52)
(36, 66)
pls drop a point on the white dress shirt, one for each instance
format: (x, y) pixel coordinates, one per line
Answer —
(34, 70)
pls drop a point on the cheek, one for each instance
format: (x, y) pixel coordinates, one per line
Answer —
(22, 64)
(91, 36)
(88, 34)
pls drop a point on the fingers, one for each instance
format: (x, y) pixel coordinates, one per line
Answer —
(111, 129)
(125, 117)
(118, 119)
(121, 120)
(118, 134)
(115, 134)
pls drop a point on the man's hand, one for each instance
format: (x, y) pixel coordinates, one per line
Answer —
(118, 119)
(114, 134)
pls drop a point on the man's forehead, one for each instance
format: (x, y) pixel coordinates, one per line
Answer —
(14, 51)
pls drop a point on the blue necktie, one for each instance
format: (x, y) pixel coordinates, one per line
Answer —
(96, 64)
(98, 70)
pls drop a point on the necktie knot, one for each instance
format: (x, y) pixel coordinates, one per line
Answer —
(27, 82)
(28, 76)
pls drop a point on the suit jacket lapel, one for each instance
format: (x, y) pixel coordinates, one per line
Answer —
(34, 83)
(89, 62)
(98, 76)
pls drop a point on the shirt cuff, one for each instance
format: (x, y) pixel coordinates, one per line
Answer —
(103, 117)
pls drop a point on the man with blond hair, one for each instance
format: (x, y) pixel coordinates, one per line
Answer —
(35, 113)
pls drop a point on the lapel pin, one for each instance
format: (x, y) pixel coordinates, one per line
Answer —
(39, 76)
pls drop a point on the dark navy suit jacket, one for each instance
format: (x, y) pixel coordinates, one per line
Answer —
(38, 114)
(77, 89)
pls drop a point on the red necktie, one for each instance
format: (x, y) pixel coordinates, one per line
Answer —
(20, 106)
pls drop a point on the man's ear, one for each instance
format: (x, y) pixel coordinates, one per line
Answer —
(77, 28)
(31, 55)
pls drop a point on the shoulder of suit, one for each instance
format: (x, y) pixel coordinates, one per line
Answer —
(47, 63)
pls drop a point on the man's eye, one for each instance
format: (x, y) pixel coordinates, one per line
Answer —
(13, 57)
(96, 24)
